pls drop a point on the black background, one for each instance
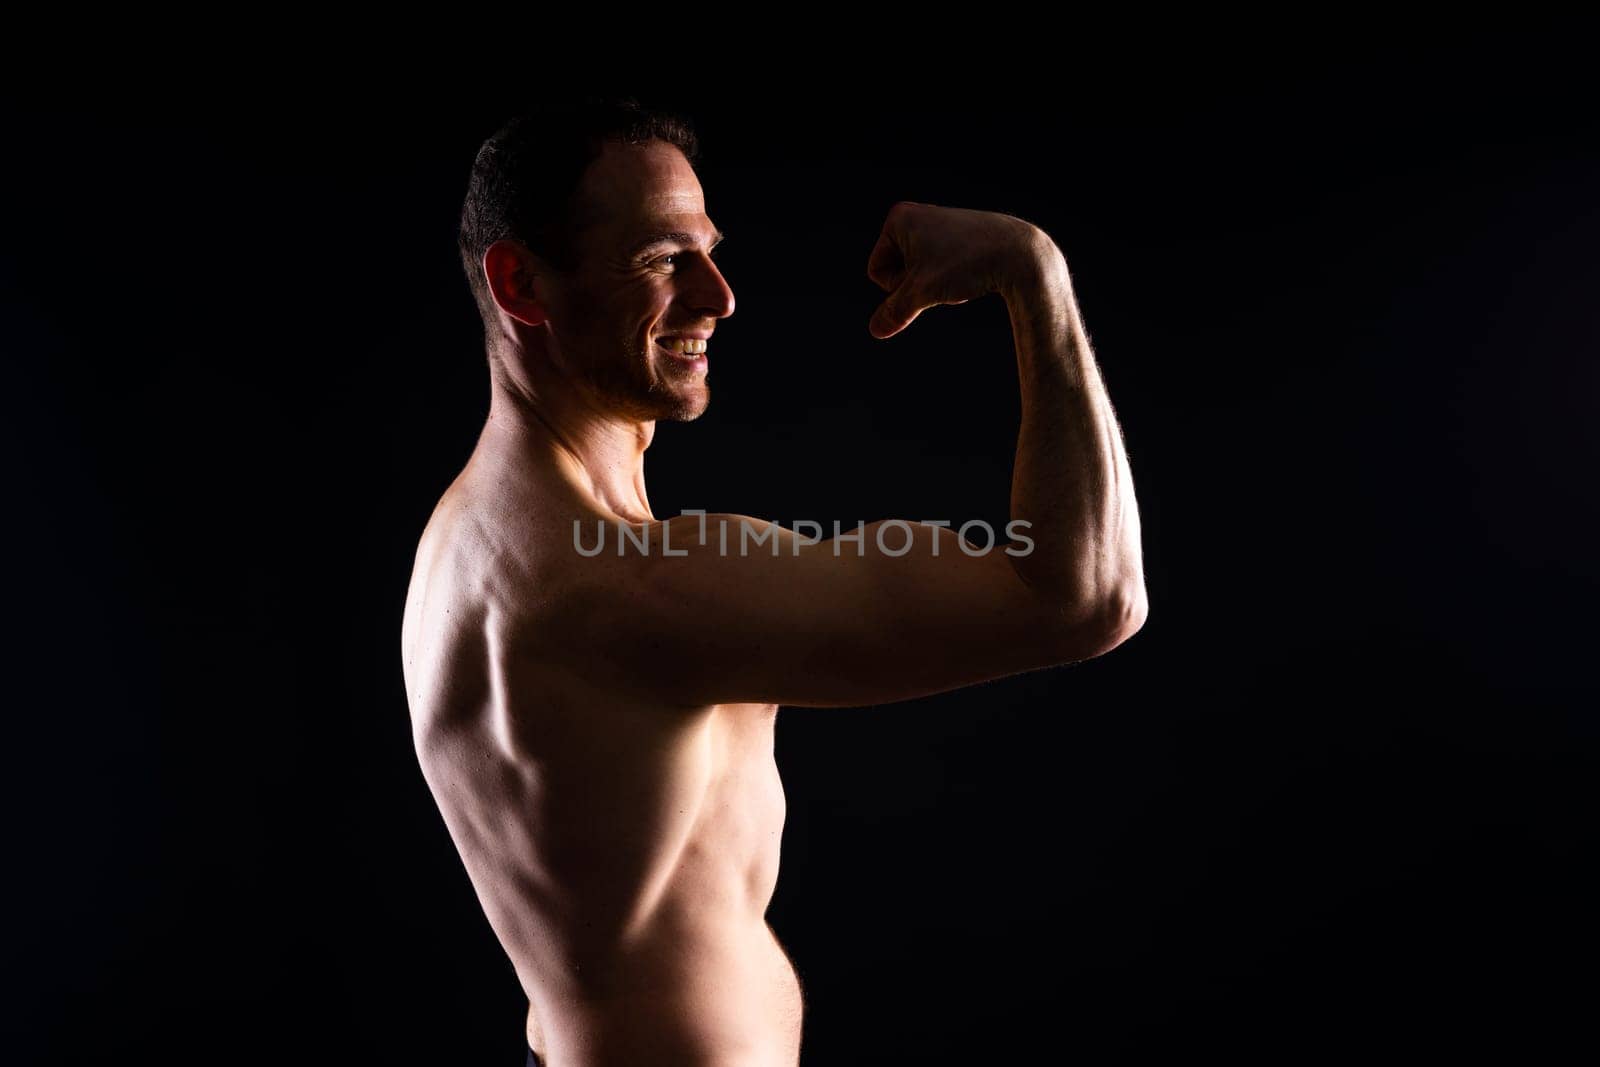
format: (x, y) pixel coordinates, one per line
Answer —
(1337, 799)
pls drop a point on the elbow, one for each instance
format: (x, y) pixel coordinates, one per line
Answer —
(1123, 614)
(1109, 619)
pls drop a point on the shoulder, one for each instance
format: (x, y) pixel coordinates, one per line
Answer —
(493, 569)
(468, 587)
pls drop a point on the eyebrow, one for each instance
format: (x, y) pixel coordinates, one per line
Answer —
(676, 237)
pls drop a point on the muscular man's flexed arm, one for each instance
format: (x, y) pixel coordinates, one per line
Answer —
(1071, 481)
(907, 613)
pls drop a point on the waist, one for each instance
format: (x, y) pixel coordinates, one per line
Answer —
(702, 995)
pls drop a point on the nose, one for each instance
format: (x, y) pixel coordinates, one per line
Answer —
(711, 293)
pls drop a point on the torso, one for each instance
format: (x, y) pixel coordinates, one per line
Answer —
(624, 851)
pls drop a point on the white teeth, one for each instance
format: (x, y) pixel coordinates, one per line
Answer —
(686, 346)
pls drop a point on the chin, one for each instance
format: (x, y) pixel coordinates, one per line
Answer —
(687, 408)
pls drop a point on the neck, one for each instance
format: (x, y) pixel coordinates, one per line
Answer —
(598, 452)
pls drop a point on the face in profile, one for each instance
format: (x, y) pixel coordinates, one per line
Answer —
(633, 322)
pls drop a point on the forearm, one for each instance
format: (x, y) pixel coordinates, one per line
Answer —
(1071, 482)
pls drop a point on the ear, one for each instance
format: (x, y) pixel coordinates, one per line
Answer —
(513, 274)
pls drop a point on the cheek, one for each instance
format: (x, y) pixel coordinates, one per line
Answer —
(644, 298)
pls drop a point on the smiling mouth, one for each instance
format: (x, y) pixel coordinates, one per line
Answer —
(690, 353)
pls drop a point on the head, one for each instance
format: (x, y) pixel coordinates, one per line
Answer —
(585, 239)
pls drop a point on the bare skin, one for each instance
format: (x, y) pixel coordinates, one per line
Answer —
(598, 731)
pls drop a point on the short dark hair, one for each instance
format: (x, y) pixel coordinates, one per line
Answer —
(525, 177)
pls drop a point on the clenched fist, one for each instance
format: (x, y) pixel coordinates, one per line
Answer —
(929, 255)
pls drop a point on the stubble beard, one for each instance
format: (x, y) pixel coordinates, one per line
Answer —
(647, 389)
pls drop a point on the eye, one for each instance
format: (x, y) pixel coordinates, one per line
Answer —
(669, 259)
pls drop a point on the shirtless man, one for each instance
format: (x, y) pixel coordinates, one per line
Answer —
(598, 729)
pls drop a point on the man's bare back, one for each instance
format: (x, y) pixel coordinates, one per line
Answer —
(597, 728)
(625, 849)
